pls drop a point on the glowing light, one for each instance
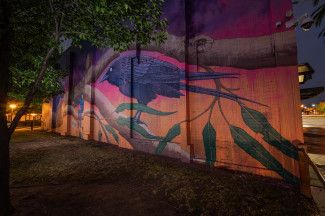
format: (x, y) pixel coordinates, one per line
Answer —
(302, 106)
(13, 106)
(33, 114)
(313, 105)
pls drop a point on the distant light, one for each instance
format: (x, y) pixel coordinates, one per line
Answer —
(301, 79)
(33, 114)
(13, 106)
(302, 106)
(313, 105)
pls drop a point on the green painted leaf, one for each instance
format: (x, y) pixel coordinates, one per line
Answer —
(110, 130)
(136, 127)
(257, 151)
(171, 134)
(142, 108)
(209, 139)
(259, 124)
(161, 146)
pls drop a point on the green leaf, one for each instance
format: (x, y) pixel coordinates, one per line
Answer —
(209, 139)
(161, 146)
(171, 134)
(257, 151)
(142, 108)
(259, 124)
(136, 127)
(110, 130)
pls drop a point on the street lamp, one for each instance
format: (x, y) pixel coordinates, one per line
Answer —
(12, 107)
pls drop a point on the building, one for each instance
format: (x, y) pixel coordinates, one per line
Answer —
(305, 72)
(222, 90)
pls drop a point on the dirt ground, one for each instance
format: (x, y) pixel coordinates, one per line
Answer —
(54, 175)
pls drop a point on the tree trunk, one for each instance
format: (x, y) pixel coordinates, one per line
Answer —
(31, 93)
(4, 170)
(5, 41)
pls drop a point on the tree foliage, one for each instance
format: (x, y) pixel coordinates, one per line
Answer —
(318, 16)
(321, 107)
(31, 33)
(40, 27)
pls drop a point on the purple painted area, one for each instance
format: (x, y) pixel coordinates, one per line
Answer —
(221, 19)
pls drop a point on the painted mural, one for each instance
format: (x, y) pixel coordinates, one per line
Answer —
(223, 90)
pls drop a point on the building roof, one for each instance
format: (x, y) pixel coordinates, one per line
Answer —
(310, 92)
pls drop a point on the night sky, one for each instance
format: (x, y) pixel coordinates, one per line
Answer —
(311, 49)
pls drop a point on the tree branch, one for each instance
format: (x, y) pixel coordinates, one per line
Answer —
(32, 91)
(107, 111)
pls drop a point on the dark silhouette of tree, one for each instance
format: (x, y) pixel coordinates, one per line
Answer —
(318, 16)
(31, 34)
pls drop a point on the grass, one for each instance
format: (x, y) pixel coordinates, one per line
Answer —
(53, 175)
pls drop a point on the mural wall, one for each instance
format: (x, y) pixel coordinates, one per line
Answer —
(223, 89)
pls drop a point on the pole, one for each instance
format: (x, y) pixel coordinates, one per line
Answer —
(12, 114)
(32, 125)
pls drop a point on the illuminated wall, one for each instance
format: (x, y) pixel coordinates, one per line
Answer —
(223, 89)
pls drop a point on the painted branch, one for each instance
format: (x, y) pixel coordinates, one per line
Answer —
(107, 111)
(278, 49)
(93, 71)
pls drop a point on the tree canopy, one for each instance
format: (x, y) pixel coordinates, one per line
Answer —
(318, 16)
(31, 34)
(40, 27)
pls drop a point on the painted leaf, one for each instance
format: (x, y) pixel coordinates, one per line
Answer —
(161, 146)
(259, 124)
(136, 127)
(142, 108)
(257, 151)
(172, 133)
(209, 139)
(110, 130)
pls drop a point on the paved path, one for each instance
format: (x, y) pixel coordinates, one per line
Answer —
(315, 140)
(316, 121)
